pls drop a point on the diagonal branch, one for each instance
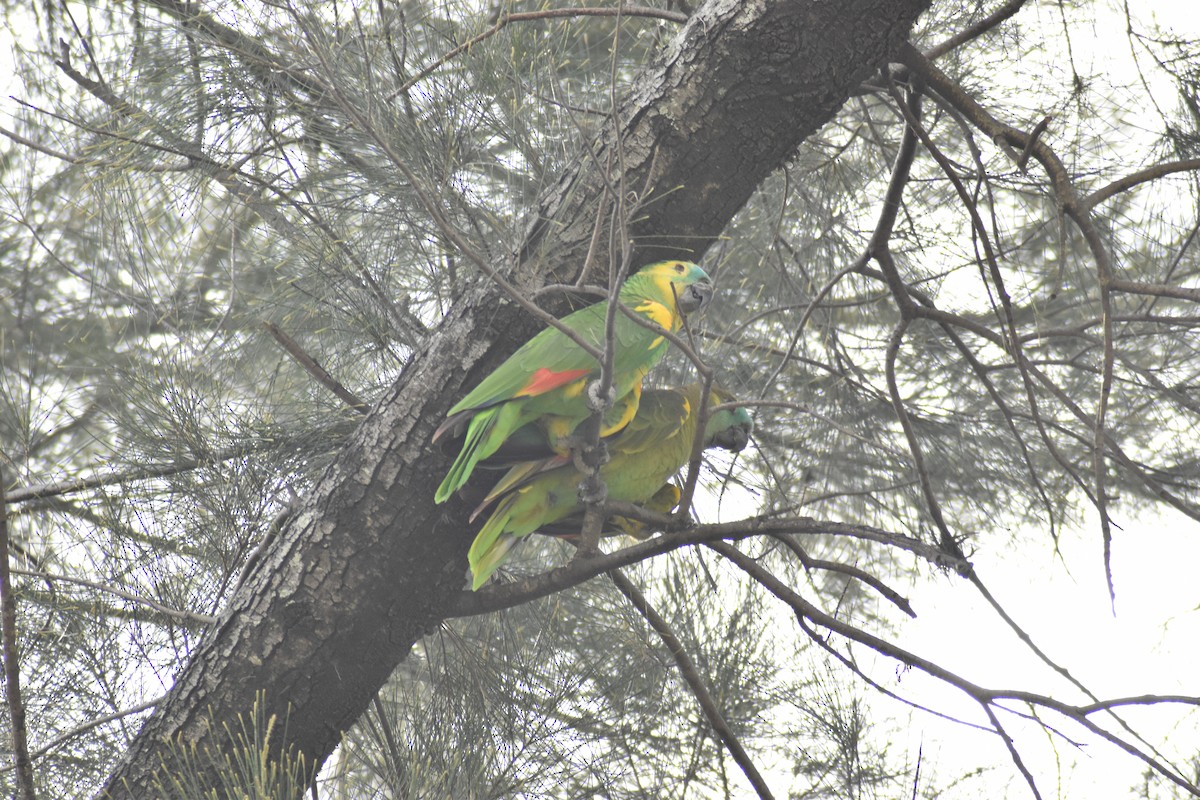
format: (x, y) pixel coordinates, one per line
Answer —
(1079, 213)
(316, 370)
(687, 668)
(985, 697)
(505, 20)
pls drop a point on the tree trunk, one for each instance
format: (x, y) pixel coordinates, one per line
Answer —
(369, 563)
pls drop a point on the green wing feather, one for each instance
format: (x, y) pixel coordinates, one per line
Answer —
(544, 379)
(652, 448)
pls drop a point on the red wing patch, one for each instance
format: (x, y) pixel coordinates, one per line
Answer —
(544, 380)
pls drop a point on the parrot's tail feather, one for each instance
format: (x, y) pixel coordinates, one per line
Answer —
(492, 560)
(472, 452)
(492, 543)
(491, 531)
(516, 477)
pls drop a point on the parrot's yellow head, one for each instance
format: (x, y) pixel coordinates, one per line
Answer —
(681, 281)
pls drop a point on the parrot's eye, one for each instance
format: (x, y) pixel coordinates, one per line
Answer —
(679, 268)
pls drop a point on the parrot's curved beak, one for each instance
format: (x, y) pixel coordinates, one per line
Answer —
(735, 438)
(694, 297)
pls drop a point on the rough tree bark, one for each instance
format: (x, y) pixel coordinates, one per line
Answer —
(369, 564)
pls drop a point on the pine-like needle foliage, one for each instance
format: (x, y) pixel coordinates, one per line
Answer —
(189, 202)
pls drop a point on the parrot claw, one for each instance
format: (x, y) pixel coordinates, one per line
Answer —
(595, 402)
(683, 521)
(592, 490)
(585, 458)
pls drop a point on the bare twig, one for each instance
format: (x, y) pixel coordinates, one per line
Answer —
(316, 370)
(59, 741)
(57, 488)
(810, 563)
(879, 250)
(976, 30)
(1133, 179)
(687, 668)
(12, 668)
(1156, 290)
(175, 613)
(621, 10)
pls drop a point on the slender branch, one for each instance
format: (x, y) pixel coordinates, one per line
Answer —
(804, 318)
(679, 535)
(175, 613)
(1011, 746)
(878, 248)
(621, 10)
(59, 741)
(316, 370)
(12, 668)
(389, 737)
(1156, 290)
(73, 485)
(1150, 173)
(687, 668)
(181, 166)
(810, 563)
(976, 30)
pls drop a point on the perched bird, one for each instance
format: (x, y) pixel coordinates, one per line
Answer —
(652, 447)
(546, 380)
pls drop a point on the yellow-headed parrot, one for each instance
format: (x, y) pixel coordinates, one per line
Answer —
(643, 456)
(545, 381)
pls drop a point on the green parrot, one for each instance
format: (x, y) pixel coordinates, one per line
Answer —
(540, 495)
(546, 380)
